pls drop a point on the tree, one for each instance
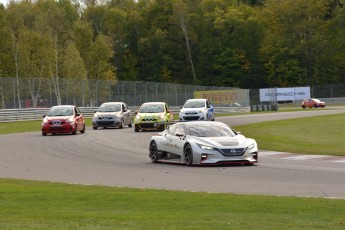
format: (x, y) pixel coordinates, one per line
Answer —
(73, 71)
(18, 18)
(180, 10)
(59, 18)
(294, 41)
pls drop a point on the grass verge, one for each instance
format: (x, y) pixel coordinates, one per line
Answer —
(312, 135)
(43, 205)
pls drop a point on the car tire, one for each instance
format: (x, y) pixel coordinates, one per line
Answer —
(121, 125)
(303, 106)
(75, 131)
(153, 152)
(94, 127)
(83, 130)
(136, 128)
(188, 154)
(130, 123)
(315, 106)
(44, 134)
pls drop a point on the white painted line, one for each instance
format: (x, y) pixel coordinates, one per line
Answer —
(269, 153)
(339, 161)
(303, 157)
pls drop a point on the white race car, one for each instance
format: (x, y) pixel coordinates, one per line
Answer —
(197, 110)
(202, 143)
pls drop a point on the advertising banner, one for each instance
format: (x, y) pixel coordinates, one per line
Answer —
(224, 97)
(284, 94)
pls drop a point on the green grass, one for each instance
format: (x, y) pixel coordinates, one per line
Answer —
(19, 127)
(44, 205)
(312, 135)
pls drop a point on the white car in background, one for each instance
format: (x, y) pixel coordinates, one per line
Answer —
(112, 114)
(197, 110)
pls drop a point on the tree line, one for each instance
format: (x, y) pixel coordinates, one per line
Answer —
(235, 43)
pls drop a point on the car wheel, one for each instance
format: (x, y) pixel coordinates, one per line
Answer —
(74, 131)
(153, 152)
(121, 124)
(188, 154)
(315, 106)
(83, 130)
(130, 123)
(136, 128)
(303, 106)
(44, 134)
(94, 127)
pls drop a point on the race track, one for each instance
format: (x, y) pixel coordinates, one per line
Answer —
(119, 157)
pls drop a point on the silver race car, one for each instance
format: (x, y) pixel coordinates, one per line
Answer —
(202, 143)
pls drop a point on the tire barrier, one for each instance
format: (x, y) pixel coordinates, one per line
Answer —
(261, 108)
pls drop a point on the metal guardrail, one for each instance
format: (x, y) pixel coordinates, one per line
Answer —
(9, 115)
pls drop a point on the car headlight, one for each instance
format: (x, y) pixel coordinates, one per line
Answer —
(70, 120)
(137, 117)
(202, 110)
(206, 147)
(117, 117)
(250, 146)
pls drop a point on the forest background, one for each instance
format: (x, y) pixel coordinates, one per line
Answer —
(245, 44)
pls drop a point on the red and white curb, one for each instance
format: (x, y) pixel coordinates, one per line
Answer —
(301, 157)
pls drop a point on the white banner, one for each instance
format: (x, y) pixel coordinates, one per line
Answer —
(284, 94)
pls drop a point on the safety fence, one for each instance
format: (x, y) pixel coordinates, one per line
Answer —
(44, 93)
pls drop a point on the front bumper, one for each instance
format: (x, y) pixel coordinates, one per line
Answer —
(63, 128)
(108, 122)
(192, 116)
(209, 158)
(149, 125)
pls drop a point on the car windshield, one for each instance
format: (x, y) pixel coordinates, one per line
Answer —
(60, 111)
(208, 130)
(194, 104)
(152, 108)
(110, 108)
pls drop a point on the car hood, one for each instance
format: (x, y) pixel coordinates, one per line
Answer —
(186, 110)
(108, 113)
(238, 141)
(62, 118)
(150, 114)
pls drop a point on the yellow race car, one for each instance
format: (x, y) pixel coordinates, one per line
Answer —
(150, 115)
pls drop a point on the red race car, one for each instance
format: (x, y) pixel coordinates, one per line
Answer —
(63, 119)
(313, 103)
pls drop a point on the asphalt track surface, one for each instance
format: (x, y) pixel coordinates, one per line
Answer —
(119, 157)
